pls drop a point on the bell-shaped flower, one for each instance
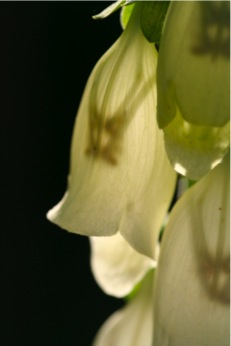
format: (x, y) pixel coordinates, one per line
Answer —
(133, 324)
(116, 266)
(192, 291)
(193, 85)
(120, 178)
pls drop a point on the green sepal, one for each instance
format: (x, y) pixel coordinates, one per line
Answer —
(138, 286)
(112, 8)
(152, 19)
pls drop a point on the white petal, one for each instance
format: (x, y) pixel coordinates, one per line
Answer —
(118, 151)
(144, 216)
(116, 266)
(192, 280)
(132, 325)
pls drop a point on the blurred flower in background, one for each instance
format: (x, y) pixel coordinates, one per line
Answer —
(193, 85)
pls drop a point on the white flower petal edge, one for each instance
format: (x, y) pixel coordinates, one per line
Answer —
(116, 266)
(132, 325)
(192, 289)
(120, 178)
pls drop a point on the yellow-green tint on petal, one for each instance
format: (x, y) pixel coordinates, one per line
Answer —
(125, 14)
(116, 266)
(193, 72)
(132, 325)
(192, 291)
(194, 150)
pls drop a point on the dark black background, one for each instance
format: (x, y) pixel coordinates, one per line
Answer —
(47, 51)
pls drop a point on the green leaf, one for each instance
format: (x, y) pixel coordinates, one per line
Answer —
(152, 19)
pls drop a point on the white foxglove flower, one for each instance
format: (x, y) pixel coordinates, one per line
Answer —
(193, 85)
(192, 291)
(120, 178)
(116, 266)
(132, 325)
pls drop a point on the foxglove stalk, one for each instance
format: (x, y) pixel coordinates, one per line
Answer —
(120, 178)
(193, 85)
(192, 291)
(132, 325)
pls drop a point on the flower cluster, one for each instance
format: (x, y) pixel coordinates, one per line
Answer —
(146, 119)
